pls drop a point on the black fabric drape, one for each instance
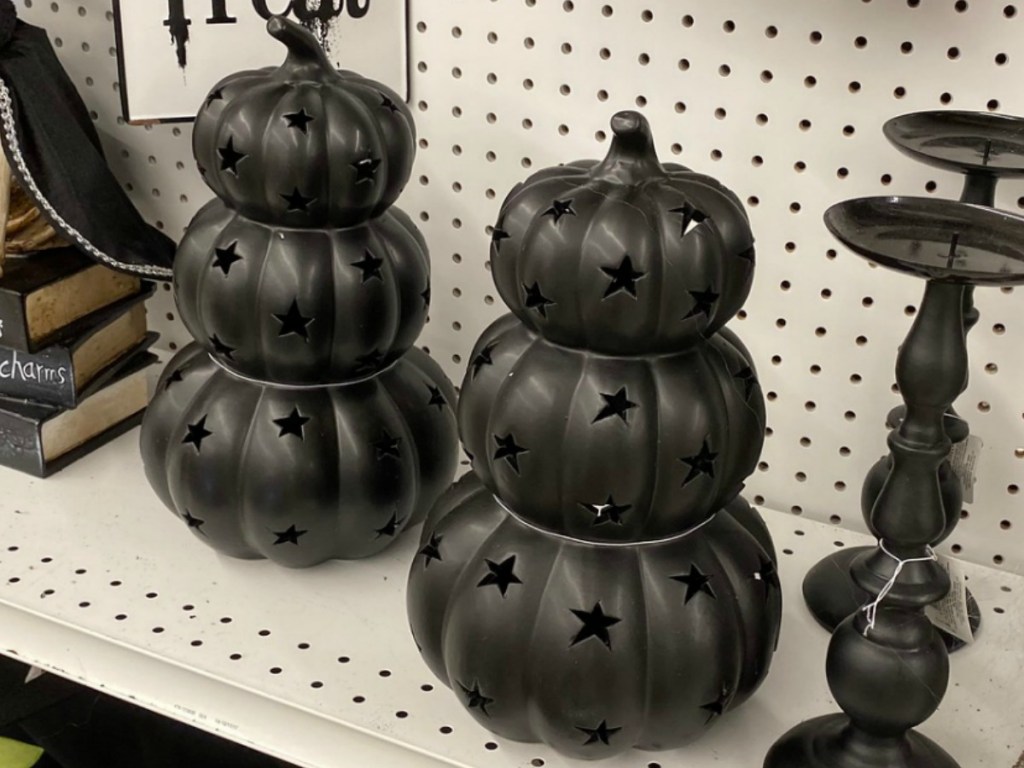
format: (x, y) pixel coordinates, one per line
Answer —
(55, 154)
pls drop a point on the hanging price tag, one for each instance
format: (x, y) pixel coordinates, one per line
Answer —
(950, 613)
(963, 459)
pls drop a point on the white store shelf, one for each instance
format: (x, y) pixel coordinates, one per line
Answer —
(99, 583)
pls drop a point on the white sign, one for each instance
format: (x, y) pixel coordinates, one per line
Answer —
(172, 52)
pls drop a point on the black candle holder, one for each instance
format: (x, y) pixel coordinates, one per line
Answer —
(887, 666)
(984, 147)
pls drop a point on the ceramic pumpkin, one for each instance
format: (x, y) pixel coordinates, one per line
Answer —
(632, 464)
(299, 476)
(302, 306)
(625, 255)
(303, 144)
(618, 647)
(597, 582)
(303, 425)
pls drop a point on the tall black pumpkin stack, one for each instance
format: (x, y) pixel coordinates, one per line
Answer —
(597, 583)
(301, 425)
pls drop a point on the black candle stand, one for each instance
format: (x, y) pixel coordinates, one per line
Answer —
(887, 667)
(984, 147)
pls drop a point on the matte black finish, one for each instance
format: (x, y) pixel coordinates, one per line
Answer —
(549, 639)
(941, 239)
(623, 256)
(299, 476)
(295, 306)
(303, 144)
(670, 437)
(597, 583)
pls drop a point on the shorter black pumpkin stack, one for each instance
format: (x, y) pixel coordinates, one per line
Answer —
(301, 425)
(597, 582)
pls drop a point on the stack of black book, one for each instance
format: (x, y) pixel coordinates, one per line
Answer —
(73, 358)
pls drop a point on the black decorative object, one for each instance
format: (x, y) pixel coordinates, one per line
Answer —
(887, 665)
(597, 583)
(54, 152)
(304, 145)
(302, 426)
(984, 147)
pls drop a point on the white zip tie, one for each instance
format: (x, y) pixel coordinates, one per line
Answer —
(871, 609)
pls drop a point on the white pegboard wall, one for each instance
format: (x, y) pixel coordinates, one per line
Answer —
(782, 102)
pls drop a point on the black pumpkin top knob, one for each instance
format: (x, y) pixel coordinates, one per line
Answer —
(632, 157)
(625, 255)
(303, 144)
(306, 58)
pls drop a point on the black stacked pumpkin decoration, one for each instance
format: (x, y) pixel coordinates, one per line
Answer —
(302, 425)
(597, 582)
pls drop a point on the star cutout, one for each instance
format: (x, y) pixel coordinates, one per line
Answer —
(534, 299)
(387, 102)
(370, 361)
(223, 258)
(370, 266)
(703, 303)
(297, 201)
(609, 512)
(696, 582)
(221, 348)
(391, 527)
(230, 157)
(475, 699)
(483, 357)
(558, 209)
(215, 95)
(717, 707)
(701, 464)
(623, 277)
(595, 624)
(691, 216)
(425, 295)
(747, 255)
(601, 734)
(436, 398)
(767, 575)
(432, 550)
(615, 405)
(289, 536)
(502, 575)
(292, 424)
(366, 169)
(746, 375)
(174, 378)
(196, 433)
(387, 445)
(509, 450)
(497, 235)
(300, 120)
(293, 321)
(194, 522)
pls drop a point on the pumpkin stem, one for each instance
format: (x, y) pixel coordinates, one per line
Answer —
(631, 158)
(304, 52)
